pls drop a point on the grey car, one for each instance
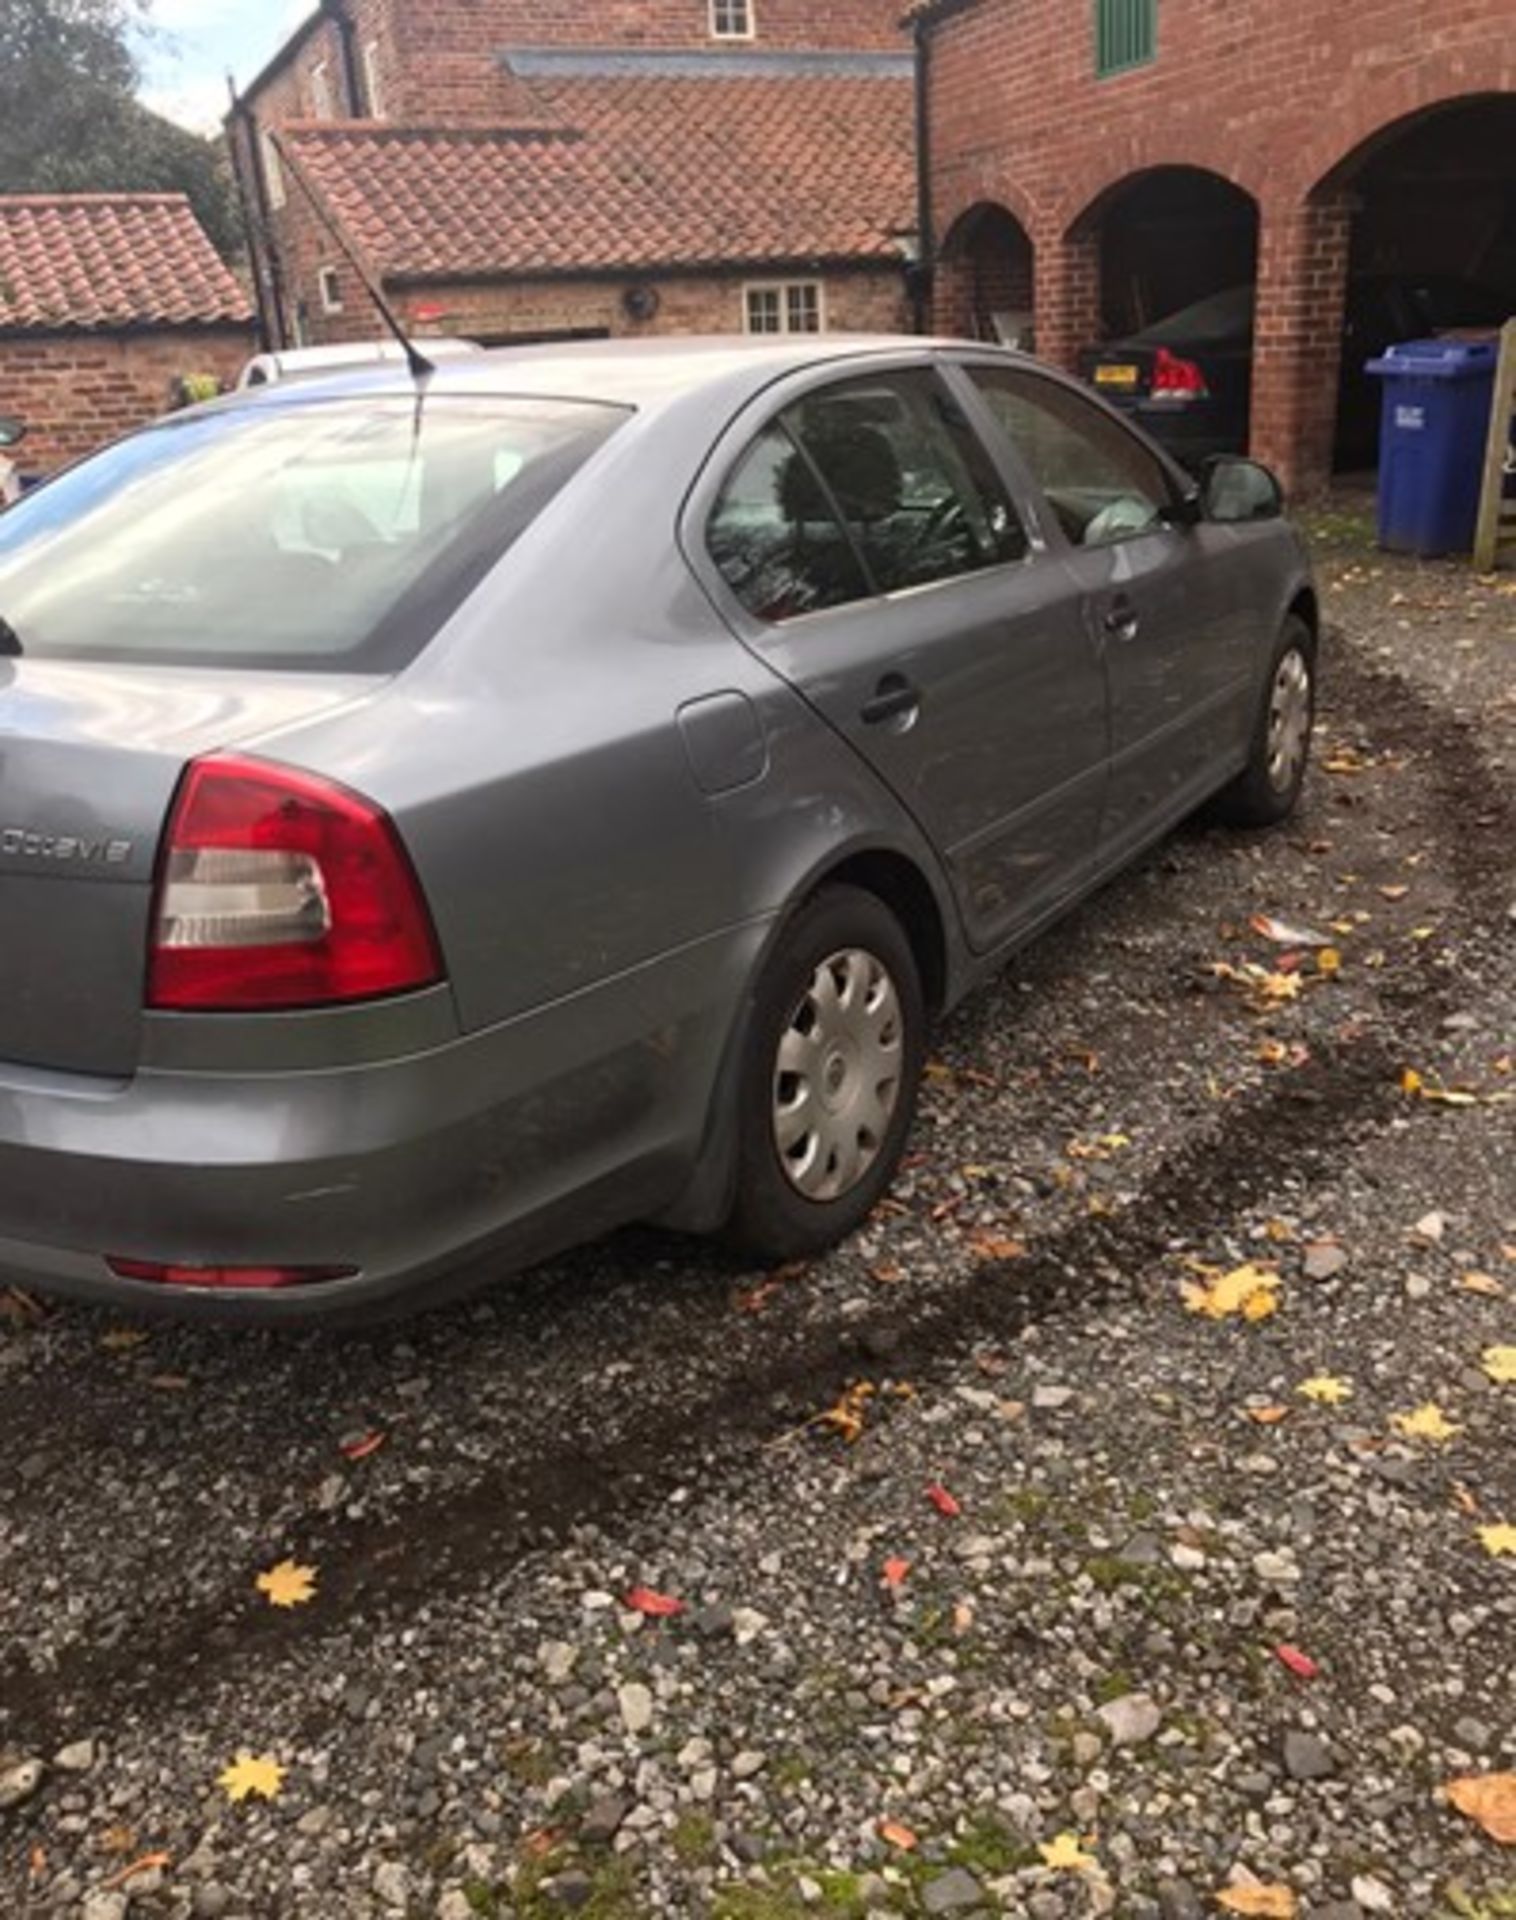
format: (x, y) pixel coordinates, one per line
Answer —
(442, 820)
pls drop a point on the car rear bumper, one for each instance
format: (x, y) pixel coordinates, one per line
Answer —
(423, 1173)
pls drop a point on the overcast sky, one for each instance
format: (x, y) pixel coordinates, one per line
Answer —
(193, 44)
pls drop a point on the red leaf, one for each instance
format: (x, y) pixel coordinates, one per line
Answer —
(362, 1446)
(1300, 1664)
(943, 1501)
(657, 1606)
(895, 1570)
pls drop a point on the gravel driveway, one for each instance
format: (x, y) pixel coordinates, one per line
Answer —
(1075, 1603)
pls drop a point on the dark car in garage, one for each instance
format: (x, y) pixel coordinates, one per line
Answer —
(1187, 378)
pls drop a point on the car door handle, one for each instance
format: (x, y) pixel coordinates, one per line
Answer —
(1121, 620)
(895, 698)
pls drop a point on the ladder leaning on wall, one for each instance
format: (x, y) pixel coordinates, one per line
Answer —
(1495, 534)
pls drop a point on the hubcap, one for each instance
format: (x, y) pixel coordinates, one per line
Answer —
(1289, 720)
(837, 1075)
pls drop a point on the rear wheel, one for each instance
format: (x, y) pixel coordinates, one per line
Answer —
(829, 1081)
(1267, 789)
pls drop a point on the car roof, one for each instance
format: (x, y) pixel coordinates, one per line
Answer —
(643, 374)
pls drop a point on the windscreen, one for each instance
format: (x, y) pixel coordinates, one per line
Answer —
(333, 535)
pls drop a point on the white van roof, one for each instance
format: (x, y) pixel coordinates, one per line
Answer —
(309, 363)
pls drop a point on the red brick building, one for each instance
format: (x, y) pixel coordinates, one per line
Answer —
(525, 169)
(1095, 167)
(107, 302)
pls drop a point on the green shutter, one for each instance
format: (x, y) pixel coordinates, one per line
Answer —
(1126, 34)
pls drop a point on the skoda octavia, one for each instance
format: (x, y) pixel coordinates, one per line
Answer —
(445, 817)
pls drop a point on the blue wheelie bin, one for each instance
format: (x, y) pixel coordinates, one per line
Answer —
(1435, 420)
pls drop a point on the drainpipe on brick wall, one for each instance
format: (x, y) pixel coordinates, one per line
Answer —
(268, 280)
(347, 41)
(920, 274)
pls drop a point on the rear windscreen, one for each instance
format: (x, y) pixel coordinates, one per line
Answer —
(335, 535)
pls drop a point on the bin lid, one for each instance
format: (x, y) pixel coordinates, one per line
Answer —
(1438, 359)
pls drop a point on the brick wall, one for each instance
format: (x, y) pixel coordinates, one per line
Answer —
(855, 302)
(437, 60)
(77, 390)
(1275, 97)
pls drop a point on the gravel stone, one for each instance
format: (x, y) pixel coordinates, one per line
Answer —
(956, 1891)
(20, 1782)
(1306, 1757)
(1131, 1719)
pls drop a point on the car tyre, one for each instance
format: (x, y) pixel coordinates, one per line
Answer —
(829, 1078)
(1268, 788)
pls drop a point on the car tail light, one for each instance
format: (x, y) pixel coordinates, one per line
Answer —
(279, 889)
(1179, 379)
(224, 1279)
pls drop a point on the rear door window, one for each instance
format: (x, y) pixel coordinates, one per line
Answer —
(332, 535)
(1102, 483)
(775, 537)
(911, 481)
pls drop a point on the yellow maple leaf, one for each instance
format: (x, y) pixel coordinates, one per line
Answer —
(1326, 1389)
(1260, 1901)
(1247, 1290)
(1428, 1422)
(259, 1774)
(1489, 1798)
(1329, 961)
(288, 1585)
(1065, 1855)
(1500, 1364)
(1498, 1539)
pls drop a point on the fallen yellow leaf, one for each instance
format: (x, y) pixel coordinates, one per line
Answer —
(1484, 1283)
(1489, 1799)
(1498, 1539)
(1326, 1390)
(252, 1774)
(1065, 1855)
(1428, 1422)
(122, 1339)
(1329, 961)
(1247, 1290)
(1262, 1902)
(1268, 1416)
(1500, 1364)
(288, 1585)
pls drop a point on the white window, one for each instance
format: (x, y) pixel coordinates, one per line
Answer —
(791, 306)
(373, 89)
(731, 19)
(273, 173)
(321, 91)
(330, 289)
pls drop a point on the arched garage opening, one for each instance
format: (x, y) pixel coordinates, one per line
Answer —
(1175, 253)
(984, 278)
(1431, 244)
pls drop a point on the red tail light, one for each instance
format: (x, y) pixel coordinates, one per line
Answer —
(279, 889)
(1179, 379)
(225, 1279)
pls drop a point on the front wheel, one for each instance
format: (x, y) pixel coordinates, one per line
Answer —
(1268, 788)
(830, 1076)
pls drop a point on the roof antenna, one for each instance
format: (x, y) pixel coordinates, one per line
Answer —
(420, 367)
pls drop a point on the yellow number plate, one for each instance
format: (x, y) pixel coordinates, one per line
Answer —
(1122, 376)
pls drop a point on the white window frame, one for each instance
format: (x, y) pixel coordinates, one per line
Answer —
(373, 86)
(328, 290)
(783, 291)
(321, 90)
(273, 172)
(733, 19)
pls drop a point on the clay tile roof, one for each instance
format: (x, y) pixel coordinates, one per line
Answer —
(108, 260)
(642, 171)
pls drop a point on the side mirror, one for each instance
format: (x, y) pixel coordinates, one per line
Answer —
(12, 432)
(1234, 490)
